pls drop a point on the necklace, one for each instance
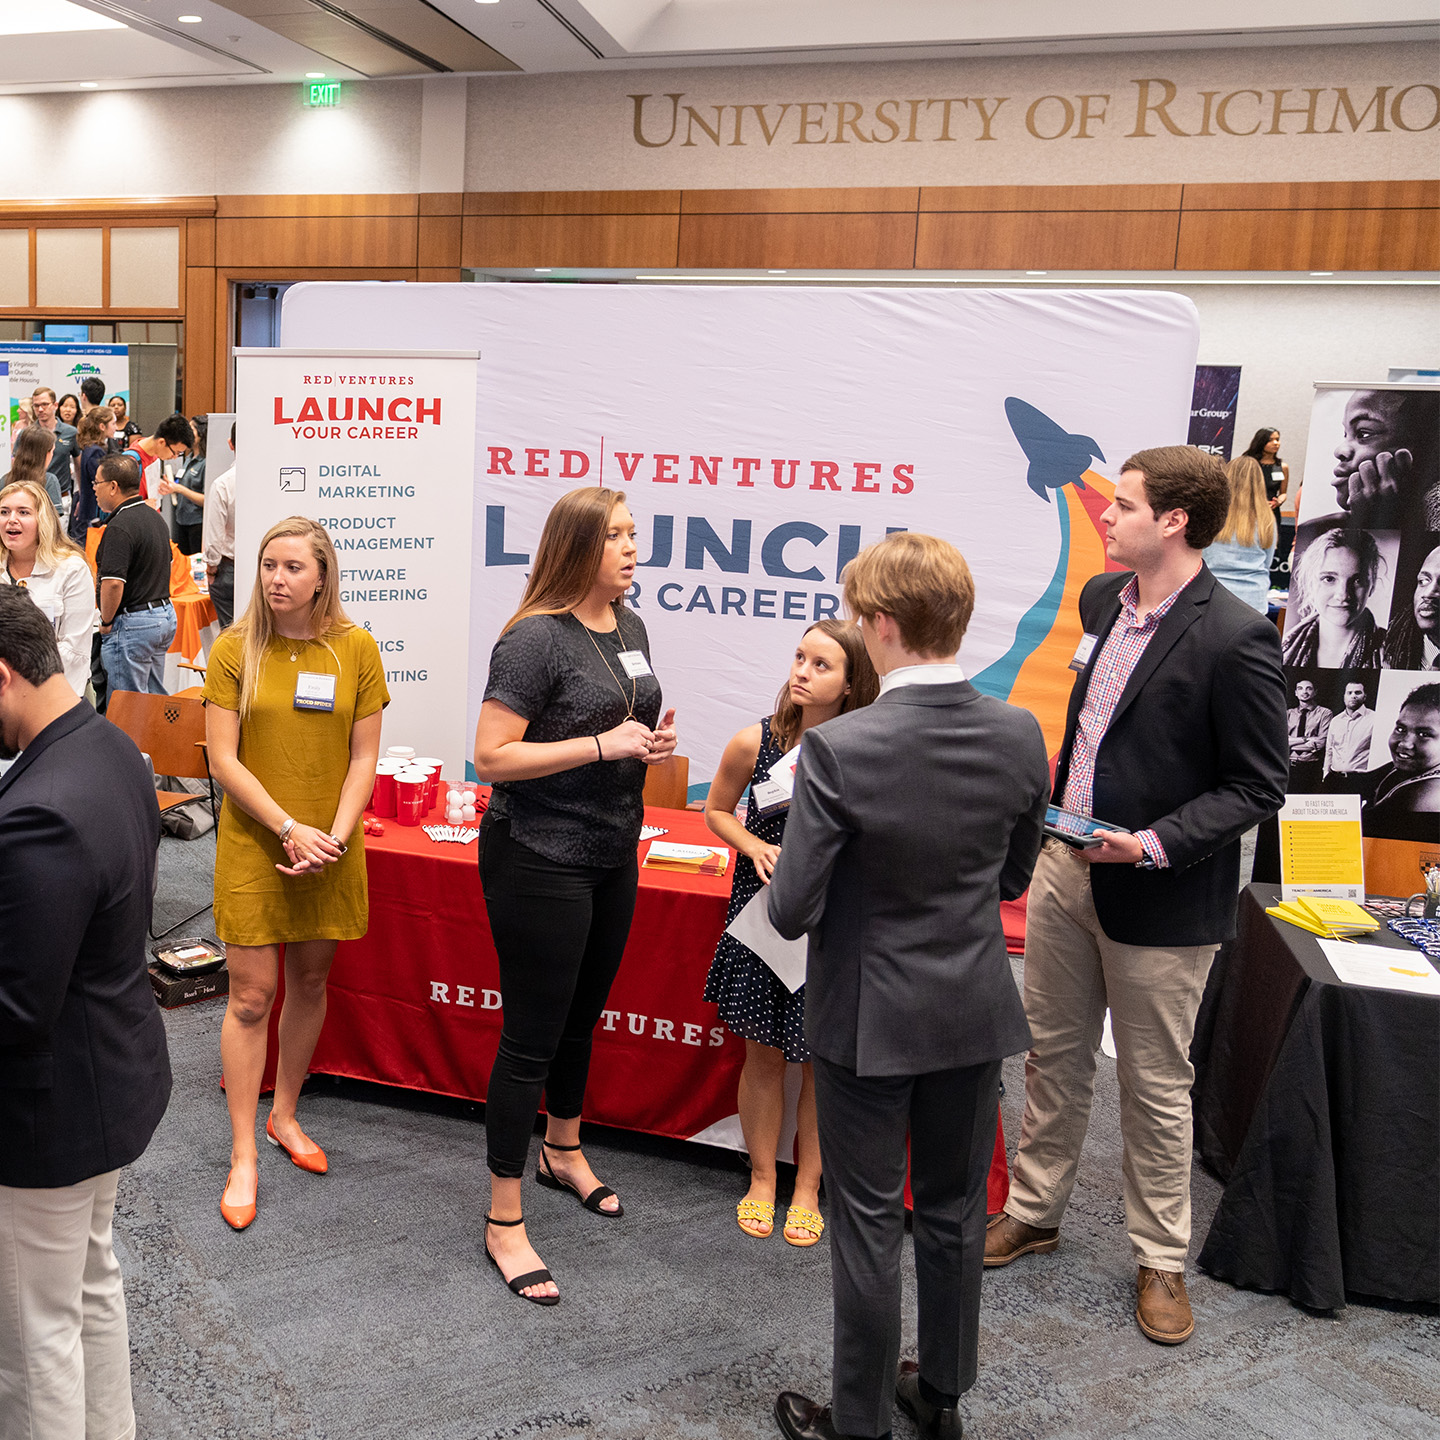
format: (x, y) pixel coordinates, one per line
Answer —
(610, 670)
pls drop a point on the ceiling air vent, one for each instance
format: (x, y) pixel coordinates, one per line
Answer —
(376, 37)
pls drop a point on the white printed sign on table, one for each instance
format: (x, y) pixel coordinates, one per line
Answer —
(378, 447)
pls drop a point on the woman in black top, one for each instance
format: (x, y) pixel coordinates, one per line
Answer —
(570, 720)
(1265, 448)
(93, 436)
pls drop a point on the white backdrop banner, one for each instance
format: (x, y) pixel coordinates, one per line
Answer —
(377, 446)
(764, 435)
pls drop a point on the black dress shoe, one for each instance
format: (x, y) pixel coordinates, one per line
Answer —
(802, 1419)
(932, 1421)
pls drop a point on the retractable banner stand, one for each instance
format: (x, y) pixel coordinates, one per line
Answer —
(1212, 409)
(63, 367)
(378, 447)
(1362, 628)
(763, 435)
(5, 422)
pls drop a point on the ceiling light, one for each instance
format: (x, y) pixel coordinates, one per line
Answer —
(189, 19)
(314, 74)
(540, 271)
(1037, 272)
(1317, 274)
(89, 84)
(776, 272)
(487, 2)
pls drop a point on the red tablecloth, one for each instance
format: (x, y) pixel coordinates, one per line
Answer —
(416, 1003)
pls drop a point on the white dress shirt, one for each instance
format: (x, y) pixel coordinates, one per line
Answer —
(946, 674)
(66, 596)
(1347, 746)
(217, 534)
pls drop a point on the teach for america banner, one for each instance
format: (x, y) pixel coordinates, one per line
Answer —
(764, 435)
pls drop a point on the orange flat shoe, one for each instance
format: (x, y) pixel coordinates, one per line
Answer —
(315, 1161)
(237, 1217)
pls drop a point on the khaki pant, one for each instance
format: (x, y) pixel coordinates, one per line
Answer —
(64, 1345)
(1073, 970)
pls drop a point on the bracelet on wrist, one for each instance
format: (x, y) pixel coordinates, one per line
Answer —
(284, 831)
(598, 750)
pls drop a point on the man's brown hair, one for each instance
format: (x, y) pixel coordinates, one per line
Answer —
(1180, 477)
(921, 582)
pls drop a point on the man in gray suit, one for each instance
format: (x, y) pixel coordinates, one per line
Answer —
(912, 819)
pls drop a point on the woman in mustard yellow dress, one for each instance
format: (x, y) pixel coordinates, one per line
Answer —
(293, 696)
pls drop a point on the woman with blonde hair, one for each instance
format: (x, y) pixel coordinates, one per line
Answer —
(570, 719)
(289, 859)
(1239, 557)
(40, 557)
(830, 675)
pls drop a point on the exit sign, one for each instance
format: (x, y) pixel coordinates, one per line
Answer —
(321, 93)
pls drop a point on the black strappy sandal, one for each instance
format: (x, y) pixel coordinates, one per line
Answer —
(518, 1284)
(547, 1177)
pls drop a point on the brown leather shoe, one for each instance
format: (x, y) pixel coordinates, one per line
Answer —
(1162, 1308)
(1007, 1239)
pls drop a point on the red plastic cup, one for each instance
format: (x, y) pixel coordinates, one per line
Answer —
(410, 796)
(429, 762)
(382, 797)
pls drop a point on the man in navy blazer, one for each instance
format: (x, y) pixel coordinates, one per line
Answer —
(1176, 736)
(912, 819)
(84, 1069)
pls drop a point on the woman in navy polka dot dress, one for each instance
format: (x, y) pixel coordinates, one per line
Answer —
(829, 675)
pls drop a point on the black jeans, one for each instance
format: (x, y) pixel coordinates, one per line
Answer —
(559, 931)
(187, 538)
(222, 591)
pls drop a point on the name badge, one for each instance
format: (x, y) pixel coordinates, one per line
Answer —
(634, 664)
(770, 797)
(314, 692)
(1083, 651)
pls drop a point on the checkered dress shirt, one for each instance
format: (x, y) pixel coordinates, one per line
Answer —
(1110, 673)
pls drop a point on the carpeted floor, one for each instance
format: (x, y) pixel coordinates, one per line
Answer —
(360, 1305)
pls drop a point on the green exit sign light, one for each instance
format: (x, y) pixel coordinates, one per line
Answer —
(322, 93)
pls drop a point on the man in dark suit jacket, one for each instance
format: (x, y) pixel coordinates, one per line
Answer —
(1177, 736)
(912, 819)
(84, 1070)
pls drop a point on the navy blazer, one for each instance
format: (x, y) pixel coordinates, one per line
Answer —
(1196, 751)
(84, 1068)
(912, 819)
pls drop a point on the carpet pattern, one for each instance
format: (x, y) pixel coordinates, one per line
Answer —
(360, 1304)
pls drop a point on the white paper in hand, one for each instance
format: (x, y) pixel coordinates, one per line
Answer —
(786, 958)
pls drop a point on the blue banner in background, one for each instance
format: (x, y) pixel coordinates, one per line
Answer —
(1212, 409)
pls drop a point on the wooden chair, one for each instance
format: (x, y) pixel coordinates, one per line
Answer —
(667, 784)
(170, 729)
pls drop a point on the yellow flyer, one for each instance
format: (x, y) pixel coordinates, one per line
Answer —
(1321, 853)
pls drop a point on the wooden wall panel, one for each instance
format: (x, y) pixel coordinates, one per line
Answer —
(231, 207)
(791, 242)
(509, 241)
(365, 241)
(65, 212)
(434, 203)
(1050, 197)
(799, 202)
(200, 242)
(199, 377)
(573, 202)
(1316, 195)
(439, 241)
(1310, 240)
(1039, 240)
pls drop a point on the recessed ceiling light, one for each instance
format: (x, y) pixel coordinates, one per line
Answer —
(1317, 274)
(777, 272)
(542, 271)
(314, 74)
(88, 84)
(189, 19)
(487, 2)
(1037, 272)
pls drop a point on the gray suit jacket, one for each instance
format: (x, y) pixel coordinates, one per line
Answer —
(912, 819)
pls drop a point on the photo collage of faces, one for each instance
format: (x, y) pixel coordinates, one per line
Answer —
(1362, 628)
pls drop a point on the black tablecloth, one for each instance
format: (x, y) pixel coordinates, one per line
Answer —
(1319, 1105)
